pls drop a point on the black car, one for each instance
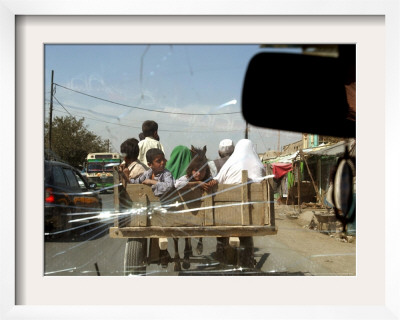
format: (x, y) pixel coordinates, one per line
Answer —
(69, 201)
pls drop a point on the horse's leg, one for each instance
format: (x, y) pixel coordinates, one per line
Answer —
(177, 264)
(199, 248)
(187, 253)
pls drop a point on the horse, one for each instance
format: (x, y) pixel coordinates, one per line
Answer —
(188, 251)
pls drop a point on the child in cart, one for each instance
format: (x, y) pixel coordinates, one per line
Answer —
(159, 178)
(197, 174)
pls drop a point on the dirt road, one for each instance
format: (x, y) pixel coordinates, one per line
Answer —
(332, 251)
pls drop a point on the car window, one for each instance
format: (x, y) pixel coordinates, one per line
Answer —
(81, 183)
(58, 176)
(71, 178)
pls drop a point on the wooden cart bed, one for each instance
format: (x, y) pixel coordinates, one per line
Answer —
(245, 209)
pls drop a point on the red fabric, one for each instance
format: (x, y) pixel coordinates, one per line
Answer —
(280, 169)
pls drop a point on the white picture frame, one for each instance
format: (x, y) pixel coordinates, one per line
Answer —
(343, 309)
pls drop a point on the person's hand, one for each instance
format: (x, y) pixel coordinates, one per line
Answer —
(121, 169)
(207, 186)
(213, 183)
(204, 186)
(149, 182)
(126, 173)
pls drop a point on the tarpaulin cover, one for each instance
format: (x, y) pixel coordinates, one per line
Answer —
(280, 169)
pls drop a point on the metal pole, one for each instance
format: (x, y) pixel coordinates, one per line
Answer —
(51, 108)
(298, 185)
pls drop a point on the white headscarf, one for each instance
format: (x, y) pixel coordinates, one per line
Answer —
(243, 158)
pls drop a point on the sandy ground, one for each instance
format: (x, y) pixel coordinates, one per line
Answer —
(332, 250)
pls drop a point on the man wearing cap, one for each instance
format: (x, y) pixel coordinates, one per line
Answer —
(225, 149)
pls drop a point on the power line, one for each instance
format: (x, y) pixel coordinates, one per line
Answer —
(262, 140)
(62, 106)
(94, 119)
(159, 111)
(85, 114)
(163, 130)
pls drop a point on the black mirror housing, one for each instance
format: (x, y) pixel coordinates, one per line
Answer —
(296, 92)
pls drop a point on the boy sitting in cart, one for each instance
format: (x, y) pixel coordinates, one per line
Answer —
(159, 178)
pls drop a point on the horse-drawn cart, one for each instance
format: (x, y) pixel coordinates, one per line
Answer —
(234, 212)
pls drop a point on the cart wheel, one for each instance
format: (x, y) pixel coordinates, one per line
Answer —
(135, 256)
(246, 257)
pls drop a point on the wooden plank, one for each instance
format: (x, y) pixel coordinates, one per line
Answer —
(298, 185)
(272, 206)
(234, 242)
(163, 243)
(136, 191)
(177, 219)
(266, 204)
(257, 211)
(312, 179)
(197, 232)
(232, 192)
(140, 220)
(226, 192)
(209, 210)
(188, 195)
(245, 208)
(227, 215)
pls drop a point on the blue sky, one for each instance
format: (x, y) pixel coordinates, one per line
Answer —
(179, 86)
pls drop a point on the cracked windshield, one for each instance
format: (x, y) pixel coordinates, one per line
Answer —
(152, 169)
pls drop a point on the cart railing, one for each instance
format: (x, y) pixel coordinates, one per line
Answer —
(245, 209)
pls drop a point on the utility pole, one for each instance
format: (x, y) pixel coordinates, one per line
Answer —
(51, 108)
(279, 141)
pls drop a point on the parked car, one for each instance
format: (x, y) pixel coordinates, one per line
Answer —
(68, 198)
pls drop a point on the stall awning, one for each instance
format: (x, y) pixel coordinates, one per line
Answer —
(280, 169)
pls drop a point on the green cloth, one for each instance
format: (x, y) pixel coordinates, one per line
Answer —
(290, 179)
(179, 161)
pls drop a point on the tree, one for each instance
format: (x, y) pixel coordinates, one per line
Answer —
(71, 141)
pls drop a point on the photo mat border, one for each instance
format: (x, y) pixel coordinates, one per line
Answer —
(8, 118)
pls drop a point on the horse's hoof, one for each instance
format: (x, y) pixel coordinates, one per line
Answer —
(177, 266)
(165, 258)
(186, 264)
(199, 248)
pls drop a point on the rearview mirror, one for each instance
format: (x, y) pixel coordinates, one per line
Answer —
(297, 92)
